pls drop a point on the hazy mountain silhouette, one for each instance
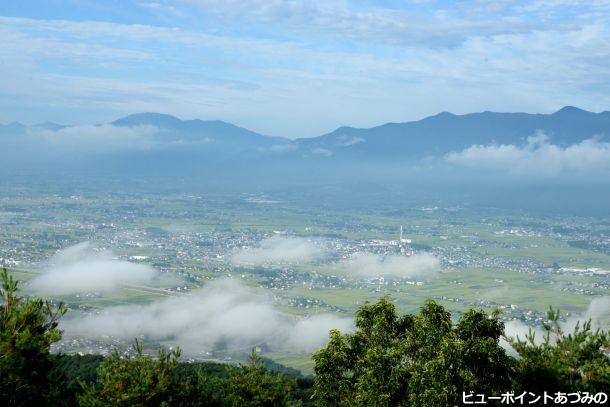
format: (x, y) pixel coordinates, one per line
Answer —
(431, 136)
(214, 133)
(447, 132)
(164, 153)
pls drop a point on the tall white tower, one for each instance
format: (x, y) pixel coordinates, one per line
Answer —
(402, 239)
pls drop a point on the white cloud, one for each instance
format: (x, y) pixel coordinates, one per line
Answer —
(80, 268)
(597, 310)
(368, 264)
(538, 158)
(98, 138)
(280, 249)
(337, 19)
(279, 148)
(322, 151)
(223, 315)
(429, 61)
(308, 334)
(355, 140)
(346, 141)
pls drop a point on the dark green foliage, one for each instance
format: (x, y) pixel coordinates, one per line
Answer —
(421, 359)
(76, 369)
(273, 366)
(208, 384)
(427, 360)
(249, 385)
(72, 371)
(128, 380)
(366, 367)
(28, 327)
(254, 385)
(304, 390)
(192, 370)
(565, 362)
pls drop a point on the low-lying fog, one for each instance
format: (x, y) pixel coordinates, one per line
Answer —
(226, 313)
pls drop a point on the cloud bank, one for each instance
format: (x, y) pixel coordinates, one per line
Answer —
(597, 311)
(368, 264)
(279, 249)
(80, 268)
(223, 315)
(538, 158)
(97, 138)
(310, 334)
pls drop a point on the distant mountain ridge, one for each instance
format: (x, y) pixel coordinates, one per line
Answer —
(446, 132)
(400, 161)
(216, 130)
(434, 135)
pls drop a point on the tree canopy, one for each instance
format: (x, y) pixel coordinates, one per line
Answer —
(428, 360)
(421, 359)
(28, 327)
(564, 361)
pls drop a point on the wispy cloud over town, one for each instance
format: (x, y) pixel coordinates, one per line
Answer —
(81, 269)
(280, 249)
(223, 315)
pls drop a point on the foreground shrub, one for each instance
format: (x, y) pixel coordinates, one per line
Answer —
(248, 385)
(28, 327)
(135, 380)
(565, 362)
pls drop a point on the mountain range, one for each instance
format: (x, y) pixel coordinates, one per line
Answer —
(431, 136)
(447, 132)
(488, 158)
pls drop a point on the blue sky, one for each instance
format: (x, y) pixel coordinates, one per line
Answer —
(299, 68)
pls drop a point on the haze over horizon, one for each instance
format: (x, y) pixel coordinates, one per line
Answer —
(300, 69)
